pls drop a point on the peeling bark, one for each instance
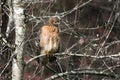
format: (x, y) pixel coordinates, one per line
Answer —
(17, 64)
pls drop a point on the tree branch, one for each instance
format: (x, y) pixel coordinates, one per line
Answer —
(78, 55)
(82, 72)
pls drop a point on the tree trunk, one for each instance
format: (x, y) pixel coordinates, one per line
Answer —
(18, 16)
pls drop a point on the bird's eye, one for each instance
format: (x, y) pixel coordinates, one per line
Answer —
(56, 22)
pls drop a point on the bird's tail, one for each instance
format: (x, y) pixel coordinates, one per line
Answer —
(44, 60)
(52, 59)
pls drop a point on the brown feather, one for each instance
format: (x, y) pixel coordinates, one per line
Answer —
(49, 39)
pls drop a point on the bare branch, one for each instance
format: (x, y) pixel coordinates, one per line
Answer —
(81, 72)
(114, 56)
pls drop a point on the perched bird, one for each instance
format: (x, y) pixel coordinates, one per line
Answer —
(49, 40)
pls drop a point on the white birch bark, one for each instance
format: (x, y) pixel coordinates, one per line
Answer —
(17, 64)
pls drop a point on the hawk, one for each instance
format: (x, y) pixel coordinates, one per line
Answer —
(49, 40)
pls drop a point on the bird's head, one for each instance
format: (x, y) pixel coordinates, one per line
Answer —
(54, 21)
